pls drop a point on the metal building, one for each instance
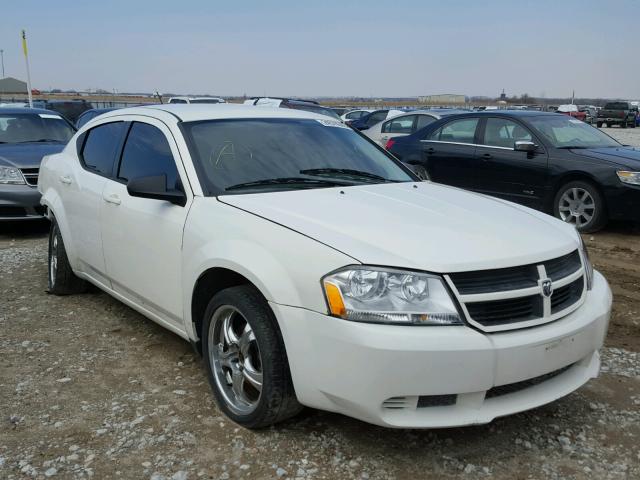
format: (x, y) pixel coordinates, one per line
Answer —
(10, 85)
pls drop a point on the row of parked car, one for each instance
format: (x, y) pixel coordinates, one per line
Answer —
(551, 162)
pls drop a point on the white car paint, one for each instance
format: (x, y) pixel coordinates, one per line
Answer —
(150, 254)
(376, 133)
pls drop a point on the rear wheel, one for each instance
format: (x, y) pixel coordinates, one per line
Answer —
(599, 124)
(246, 360)
(62, 280)
(581, 204)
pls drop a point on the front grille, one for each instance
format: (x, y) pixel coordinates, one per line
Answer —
(504, 298)
(511, 310)
(566, 296)
(518, 386)
(30, 175)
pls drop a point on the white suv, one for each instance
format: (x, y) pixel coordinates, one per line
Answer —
(311, 268)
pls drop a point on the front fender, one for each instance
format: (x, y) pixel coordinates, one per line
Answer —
(285, 266)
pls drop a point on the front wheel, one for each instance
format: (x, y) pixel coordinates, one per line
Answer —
(62, 280)
(581, 204)
(246, 360)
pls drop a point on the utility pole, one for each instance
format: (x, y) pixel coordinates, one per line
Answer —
(2, 61)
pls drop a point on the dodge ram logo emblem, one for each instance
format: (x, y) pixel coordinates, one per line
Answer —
(547, 287)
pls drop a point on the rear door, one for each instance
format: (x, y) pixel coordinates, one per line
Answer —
(142, 237)
(448, 153)
(504, 172)
(81, 191)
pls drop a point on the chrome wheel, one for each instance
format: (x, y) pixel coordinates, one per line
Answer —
(53, 258)
(577, 207)
(235, 360)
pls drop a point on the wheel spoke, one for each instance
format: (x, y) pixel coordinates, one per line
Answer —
(229, 358)
(574, 193)
(245, 340)
(252, 376)
(237, 384)
(230, 336)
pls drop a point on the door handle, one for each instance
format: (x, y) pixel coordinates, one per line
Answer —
(430, 150)
(66, 179)
(487, 156)
(113, 198)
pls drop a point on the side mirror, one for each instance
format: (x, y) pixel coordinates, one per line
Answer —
(155, 187)
(523, 146)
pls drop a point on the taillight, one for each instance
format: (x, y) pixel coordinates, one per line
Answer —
(389, 144)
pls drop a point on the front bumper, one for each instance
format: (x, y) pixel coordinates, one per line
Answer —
(623, 202)
(405, 376)
(20, 202)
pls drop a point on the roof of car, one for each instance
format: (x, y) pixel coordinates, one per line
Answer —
(34, 111)
(216, 111)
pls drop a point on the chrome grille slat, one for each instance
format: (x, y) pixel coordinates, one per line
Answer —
(510, 298)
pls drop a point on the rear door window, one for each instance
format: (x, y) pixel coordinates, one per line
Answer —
(399, 125)
(376, 117)
(457, 131)
(147, 153)
(100, 147)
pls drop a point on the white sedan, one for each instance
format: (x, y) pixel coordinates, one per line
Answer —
(311, 268)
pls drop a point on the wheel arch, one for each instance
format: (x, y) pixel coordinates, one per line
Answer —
(572, 177)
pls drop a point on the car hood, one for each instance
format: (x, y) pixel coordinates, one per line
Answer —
(422, 226)
(27, 155)
(624, 156)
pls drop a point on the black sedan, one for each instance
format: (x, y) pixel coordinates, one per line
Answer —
(26, 135)
(547, 161)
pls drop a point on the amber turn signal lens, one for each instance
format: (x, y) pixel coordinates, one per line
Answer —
(334, 297)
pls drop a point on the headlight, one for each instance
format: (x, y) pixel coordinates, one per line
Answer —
(588, 267)
(632, 178)
(380, 295)
(11, 175)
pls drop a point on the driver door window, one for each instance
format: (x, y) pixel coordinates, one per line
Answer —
(457, 131)
(501, 132)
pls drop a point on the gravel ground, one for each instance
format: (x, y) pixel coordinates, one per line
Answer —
(91, 389)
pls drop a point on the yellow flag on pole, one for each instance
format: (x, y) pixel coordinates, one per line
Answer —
(24, 43)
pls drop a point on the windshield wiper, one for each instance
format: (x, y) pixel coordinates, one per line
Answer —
(344, 172)
(287, 181)
(40, 140)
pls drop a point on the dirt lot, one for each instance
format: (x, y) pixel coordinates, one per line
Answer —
(89, 388)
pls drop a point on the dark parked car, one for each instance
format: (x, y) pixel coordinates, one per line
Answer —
(69, 109)
(90, 115)
(617, 113)
(370, 119)
(547, 161)
(26, 135)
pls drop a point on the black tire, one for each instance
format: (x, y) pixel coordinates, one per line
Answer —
(599, 124)
(277, 400)
(600, 216)
(623, 124)
(62, 280)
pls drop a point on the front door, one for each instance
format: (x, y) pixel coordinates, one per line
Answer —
(504, 172)
(142, 237)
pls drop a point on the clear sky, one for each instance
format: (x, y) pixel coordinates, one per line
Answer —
(343, 48)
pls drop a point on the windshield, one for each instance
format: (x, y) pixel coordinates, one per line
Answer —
(31, 127)
(257, 155)
(566, 132)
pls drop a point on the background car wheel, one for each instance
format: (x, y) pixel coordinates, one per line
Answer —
(623, 124)
(421, 172)
(246, 360)
(599, 124)
(581, 204)
(62, 280)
